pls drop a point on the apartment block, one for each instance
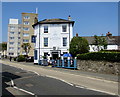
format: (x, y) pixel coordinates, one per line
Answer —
(14, 38)
(28, 20)
(19, 33)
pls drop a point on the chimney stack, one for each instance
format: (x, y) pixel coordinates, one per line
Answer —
(69, 17)
(35, 20)
(76, 34)
(108, 34)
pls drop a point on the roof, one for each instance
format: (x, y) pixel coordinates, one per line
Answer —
(112, 40)
(53, 21)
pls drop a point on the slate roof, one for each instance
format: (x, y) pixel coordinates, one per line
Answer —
(54, 21)
(112, 40)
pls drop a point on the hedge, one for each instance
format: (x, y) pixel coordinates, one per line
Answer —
(21, 58)
(102, 55)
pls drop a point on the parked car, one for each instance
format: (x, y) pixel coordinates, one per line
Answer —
(30, 59)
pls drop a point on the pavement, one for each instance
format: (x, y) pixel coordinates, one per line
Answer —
(93, 81)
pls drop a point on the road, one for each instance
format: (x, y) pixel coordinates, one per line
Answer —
(42, 85)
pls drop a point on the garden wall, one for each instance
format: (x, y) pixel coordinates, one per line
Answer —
(99, 66)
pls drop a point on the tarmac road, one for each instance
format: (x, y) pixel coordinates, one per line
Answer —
(42, 85)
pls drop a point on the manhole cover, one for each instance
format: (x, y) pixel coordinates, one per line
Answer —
(29, 85)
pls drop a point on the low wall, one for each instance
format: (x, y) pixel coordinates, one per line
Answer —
(98, 66)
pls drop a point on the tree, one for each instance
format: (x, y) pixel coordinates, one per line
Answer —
(100, 42)
(4, 47)
(26, 47)
(78, 45)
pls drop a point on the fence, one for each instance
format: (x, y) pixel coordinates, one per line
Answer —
(60, 63)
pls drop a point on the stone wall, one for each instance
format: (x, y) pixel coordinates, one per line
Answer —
(98, 66)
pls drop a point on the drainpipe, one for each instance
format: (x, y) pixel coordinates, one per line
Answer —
(39, 45)
(69, 36)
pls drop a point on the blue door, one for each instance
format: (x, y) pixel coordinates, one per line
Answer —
(35, 54)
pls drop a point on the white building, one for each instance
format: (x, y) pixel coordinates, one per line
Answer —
(113, 42)
(14, 38)
(52, 38)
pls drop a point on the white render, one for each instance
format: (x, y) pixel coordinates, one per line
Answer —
(14, 32)
(93, 48)
(13, 21)
(55, 39)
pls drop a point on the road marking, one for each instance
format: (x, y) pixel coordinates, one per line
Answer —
(33, 72)
(24, 90)
(59, 79)
(13, 85)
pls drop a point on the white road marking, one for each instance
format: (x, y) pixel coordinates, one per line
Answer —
(24, 90)
(13, 85)
(59, 79)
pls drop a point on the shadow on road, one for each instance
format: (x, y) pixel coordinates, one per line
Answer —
(6, 77)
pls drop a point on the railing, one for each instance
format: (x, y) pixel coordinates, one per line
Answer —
(60, 63)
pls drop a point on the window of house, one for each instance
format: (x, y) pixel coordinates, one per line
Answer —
(11, 37)
(64, 52)
(33, 39)
(26, 17)
(25, 34)
(11, 53)
(25, 40)
(18, 43)
(45, 29)
(26, 22)
(26, 29)
(12, 27)
(11, 42)
(12, 32)
(11, 48)
(45, 42)
(18, 32)
(64, 41)
(18, 37)
(64, 28)
(18, 48)
(45, 55)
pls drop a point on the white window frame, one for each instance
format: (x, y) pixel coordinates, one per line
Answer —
(64, 44)
(64, 29)
(26, 29)
(26, 17)
(26, 22)
(24, 40)
(26, 34)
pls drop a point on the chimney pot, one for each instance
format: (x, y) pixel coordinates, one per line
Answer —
(69, 17)
(76, 34)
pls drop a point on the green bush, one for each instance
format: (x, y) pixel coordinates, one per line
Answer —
(102, 55)
(21, 58)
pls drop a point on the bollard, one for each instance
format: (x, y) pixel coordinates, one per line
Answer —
(68, 62)
(75, 63)
(58, 64)
(62, 61)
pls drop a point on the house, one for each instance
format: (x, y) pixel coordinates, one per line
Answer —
(52, 38)
(112, 41)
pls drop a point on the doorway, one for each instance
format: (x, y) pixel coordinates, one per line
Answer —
(55, 55)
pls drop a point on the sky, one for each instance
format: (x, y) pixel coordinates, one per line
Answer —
(91, 18)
